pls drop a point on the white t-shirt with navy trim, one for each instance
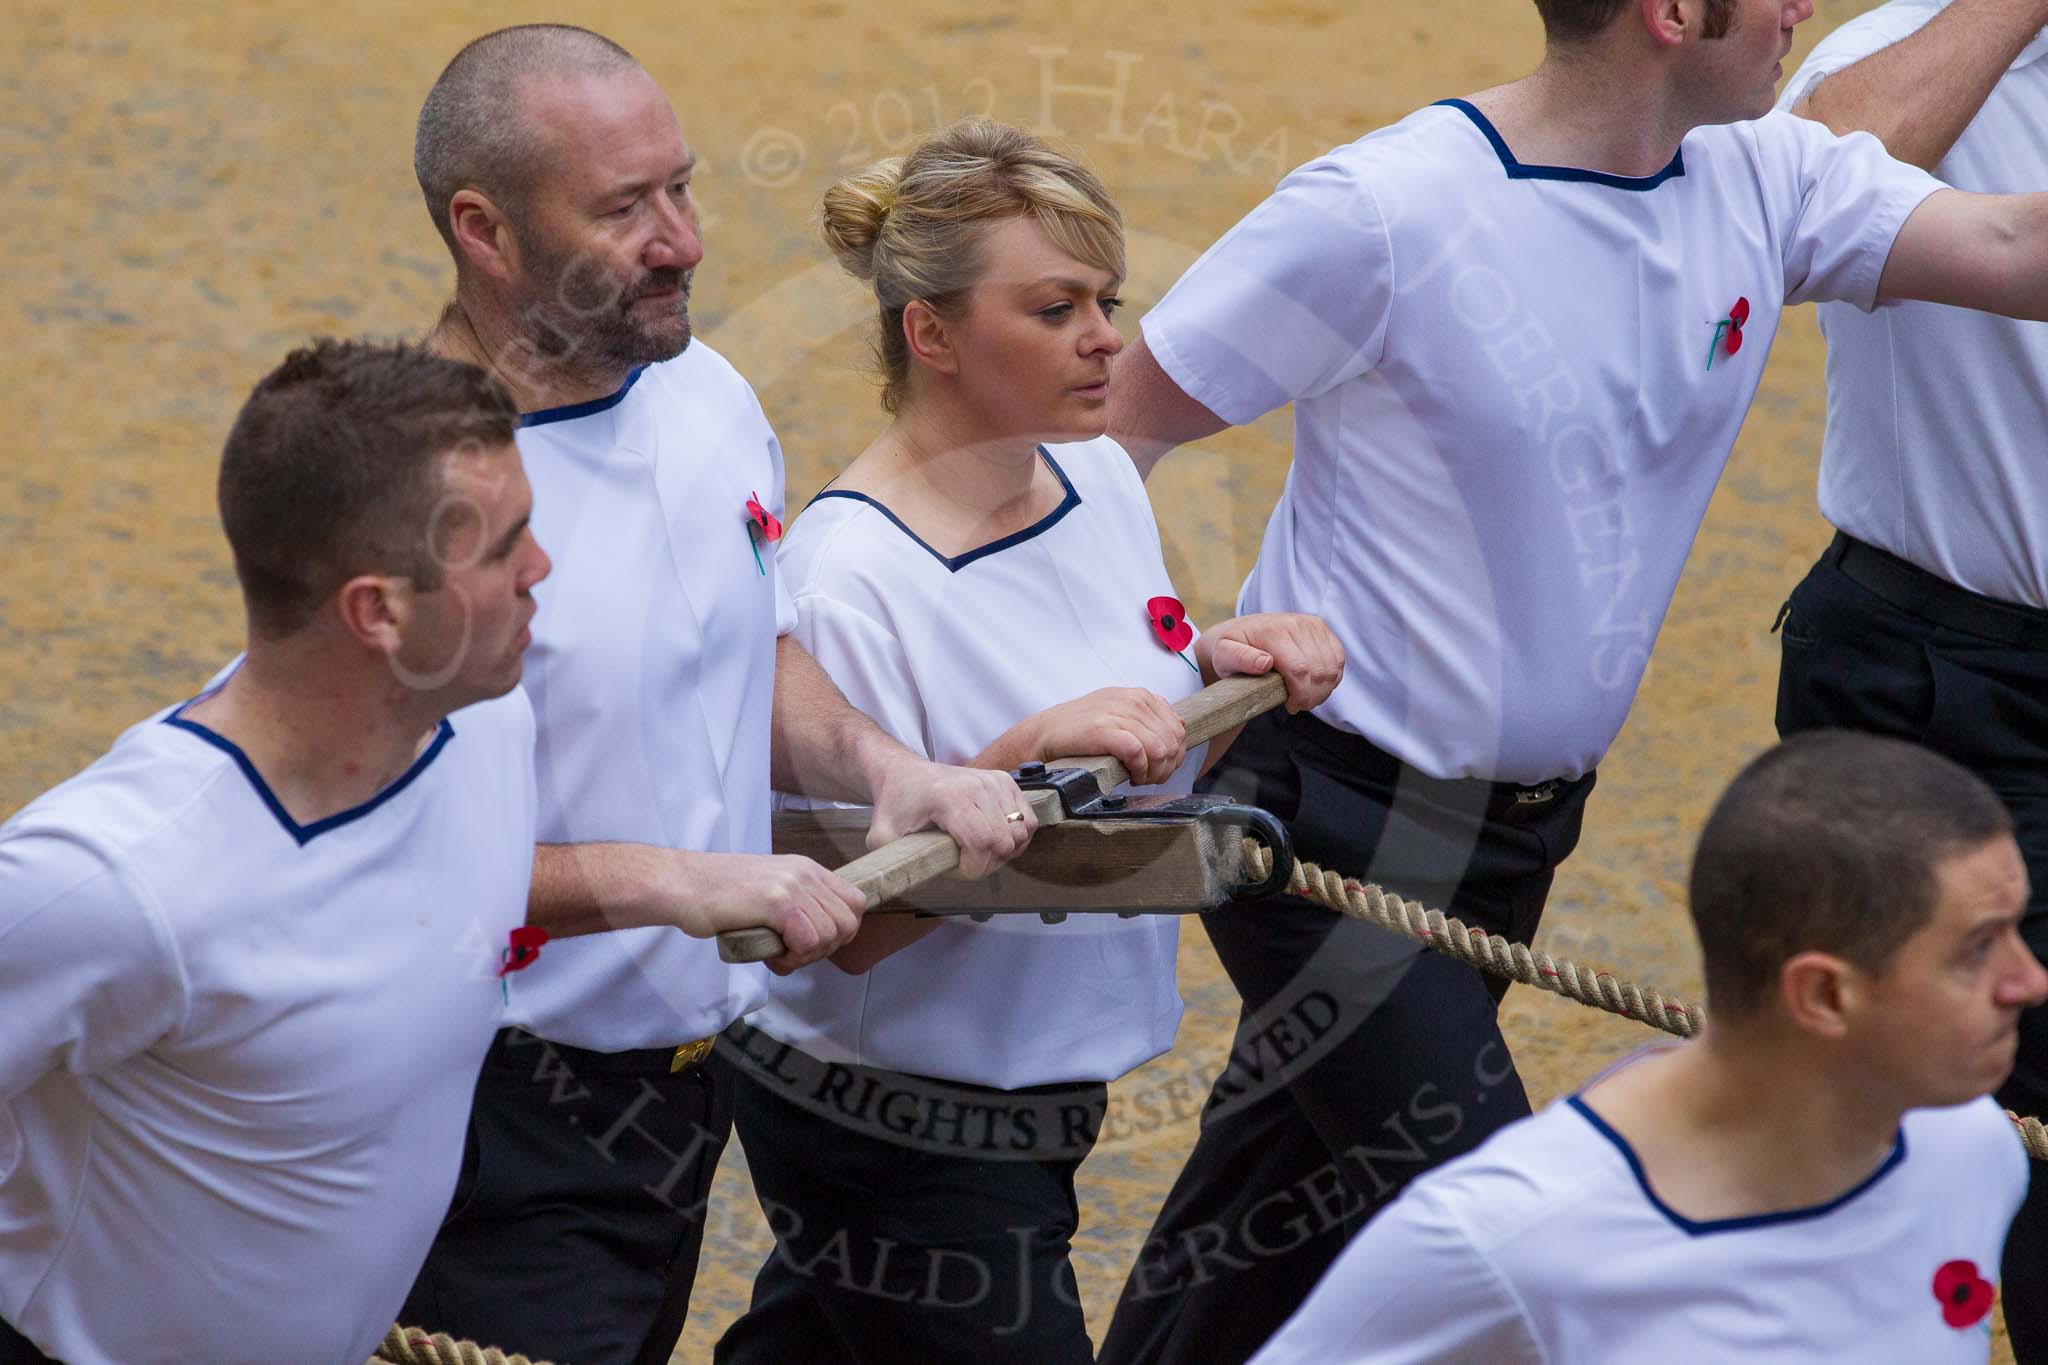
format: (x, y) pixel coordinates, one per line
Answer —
(1548, 1245)
(946, 654)
(1933, 446)
(237, 1053)
(652, 674)
(1513, 394)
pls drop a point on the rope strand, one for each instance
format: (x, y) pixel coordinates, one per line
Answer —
(411, 1346)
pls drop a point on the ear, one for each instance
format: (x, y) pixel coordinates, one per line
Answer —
(483, 235)
(374, 610)
(1820, 993)
(924, 331)
(1668, 22)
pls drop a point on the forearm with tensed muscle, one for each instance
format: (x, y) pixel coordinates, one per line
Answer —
(1982, 251)
(820, 745)
(1149, 414)
(591, 888)
(1919, 94)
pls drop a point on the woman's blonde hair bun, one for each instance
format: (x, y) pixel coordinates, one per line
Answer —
(854, 212)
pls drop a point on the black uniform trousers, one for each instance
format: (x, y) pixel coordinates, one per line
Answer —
(579, 1214)
(1870, 642)
(16, 1349)
(914, 1219)
(1361, 1060)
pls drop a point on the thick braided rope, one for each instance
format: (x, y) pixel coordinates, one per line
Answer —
(411, 1346)
(1598, 988)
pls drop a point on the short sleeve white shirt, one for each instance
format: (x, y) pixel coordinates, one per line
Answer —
(946, 654)
(1512, 398)
(238, 1053)
(652, 674)
(1933, 445)
(1547, 1246)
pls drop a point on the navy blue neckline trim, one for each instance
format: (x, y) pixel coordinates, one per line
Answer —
(574, 410)
(305, 834)
(1757, 1220)
(1517, 171)
(1015, 538)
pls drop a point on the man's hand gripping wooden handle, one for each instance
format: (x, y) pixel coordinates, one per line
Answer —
(915, 859)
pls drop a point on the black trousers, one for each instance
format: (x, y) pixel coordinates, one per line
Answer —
(914, 1219)
(576, 1223)
(1852, 660)
(1361, 1060)
(16, 1349)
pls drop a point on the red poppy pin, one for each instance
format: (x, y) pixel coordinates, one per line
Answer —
(1170, 626)
(1965, 1296)
(519, 954)
(1728, 332)
(762, 529)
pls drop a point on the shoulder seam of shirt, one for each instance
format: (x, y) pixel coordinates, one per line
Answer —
(167, 943)
(114, 872)
(115, 867)
(1508, 1291)
(1423, 1205)
(841, 605)
(827, 546)
(1379, 218)
(113, 853)
(869, 624)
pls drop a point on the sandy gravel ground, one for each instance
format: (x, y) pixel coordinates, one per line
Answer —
(190, 192)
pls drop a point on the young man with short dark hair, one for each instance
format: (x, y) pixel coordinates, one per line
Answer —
(1818, 1177)
(251, 958)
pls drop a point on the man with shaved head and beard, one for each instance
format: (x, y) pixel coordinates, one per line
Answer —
(667, 691)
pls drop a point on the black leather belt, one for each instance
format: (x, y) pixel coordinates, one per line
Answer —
(1932, 598)
(1509, 802)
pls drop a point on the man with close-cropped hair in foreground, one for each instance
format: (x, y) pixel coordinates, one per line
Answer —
(1819, 1177)
(1926, 617)
(251, 959)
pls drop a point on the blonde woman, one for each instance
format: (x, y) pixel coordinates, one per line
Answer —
(985, 579)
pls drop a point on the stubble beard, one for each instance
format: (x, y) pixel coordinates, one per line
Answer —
(583, 316)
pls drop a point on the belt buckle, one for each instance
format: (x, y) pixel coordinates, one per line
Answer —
(689, 1054)
(1538, 794)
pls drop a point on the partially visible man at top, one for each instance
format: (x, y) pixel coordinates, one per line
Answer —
(1819, 1177)
(666, 690)
(1927, 618)
(250, 958)
(1520, 332)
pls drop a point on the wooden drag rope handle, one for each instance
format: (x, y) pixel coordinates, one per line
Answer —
(1589, 986)
(915, 859)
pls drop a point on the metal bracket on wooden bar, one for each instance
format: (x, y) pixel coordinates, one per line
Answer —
(1082, 798)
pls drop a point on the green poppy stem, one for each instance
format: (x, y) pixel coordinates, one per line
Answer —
(754, 543)
(1189, 662)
